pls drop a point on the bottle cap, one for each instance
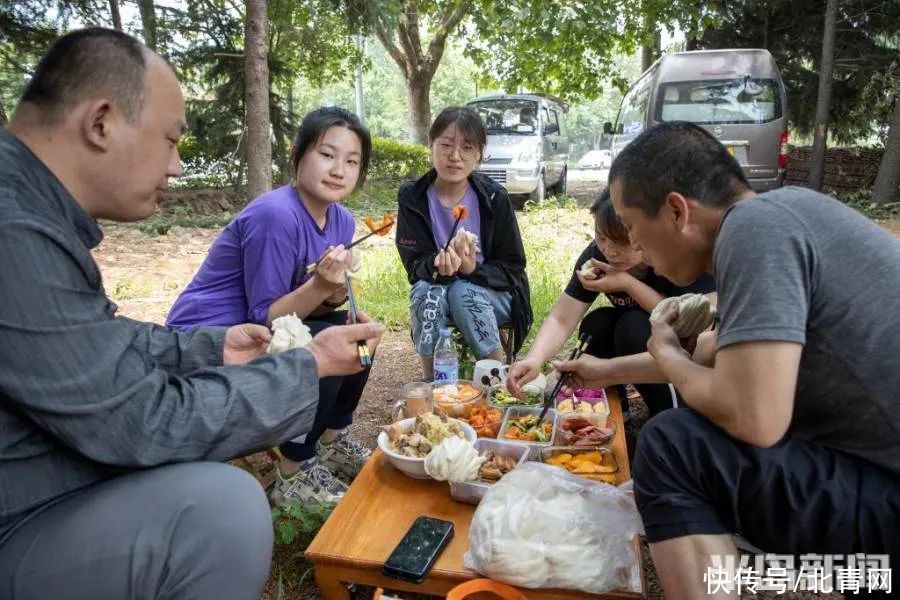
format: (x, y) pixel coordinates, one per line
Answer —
(445, 332)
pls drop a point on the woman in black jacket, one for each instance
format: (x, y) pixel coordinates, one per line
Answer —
(479, 282)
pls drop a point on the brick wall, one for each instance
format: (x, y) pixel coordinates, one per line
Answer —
(846, 169)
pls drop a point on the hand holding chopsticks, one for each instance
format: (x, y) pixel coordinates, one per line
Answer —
(365, 359)
(564, 377)
(383, 228)
(460, 213)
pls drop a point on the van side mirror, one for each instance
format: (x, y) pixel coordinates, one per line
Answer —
(607, 128)
(551, 128)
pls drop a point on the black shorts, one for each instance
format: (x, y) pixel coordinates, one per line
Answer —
(797, 497)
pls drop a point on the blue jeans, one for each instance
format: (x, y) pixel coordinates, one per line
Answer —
(476, 311)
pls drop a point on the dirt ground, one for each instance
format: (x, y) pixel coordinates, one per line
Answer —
(144, 275)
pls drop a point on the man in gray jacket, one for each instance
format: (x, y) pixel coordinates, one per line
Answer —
(111, 429)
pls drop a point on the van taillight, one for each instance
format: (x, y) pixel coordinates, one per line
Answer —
(783, 151)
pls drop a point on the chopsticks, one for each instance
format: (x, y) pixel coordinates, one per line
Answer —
(312, 266)
(577, 351)
(365, 360)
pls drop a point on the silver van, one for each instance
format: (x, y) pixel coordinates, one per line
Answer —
(737, 95)
(527, 142)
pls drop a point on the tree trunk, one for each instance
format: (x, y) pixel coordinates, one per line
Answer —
(148, 22)
(419, 109)
(823, 102)
(256, 75)
(116, 16)
(3, 119)
(651, 53)
(887, 182)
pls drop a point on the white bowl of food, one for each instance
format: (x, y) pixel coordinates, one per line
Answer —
(406, 443)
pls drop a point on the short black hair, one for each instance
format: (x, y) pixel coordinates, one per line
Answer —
(90, 63)
(677, 157)
(320, 120)
(606, 221)
(467, 122)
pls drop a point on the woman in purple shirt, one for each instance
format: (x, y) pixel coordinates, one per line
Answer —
(256, 272)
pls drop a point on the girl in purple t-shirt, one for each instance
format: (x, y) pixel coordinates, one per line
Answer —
(256, 272)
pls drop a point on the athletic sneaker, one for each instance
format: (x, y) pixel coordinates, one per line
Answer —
(313, 482)
(343, 455)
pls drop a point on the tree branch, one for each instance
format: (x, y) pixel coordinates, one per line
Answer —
(412, 29)
(450, 20)
(392, 49)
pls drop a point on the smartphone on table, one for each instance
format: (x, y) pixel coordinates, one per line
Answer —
(418, 550)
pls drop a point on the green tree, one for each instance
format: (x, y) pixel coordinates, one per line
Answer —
(304, 41)
(566, 47)
(418, 63)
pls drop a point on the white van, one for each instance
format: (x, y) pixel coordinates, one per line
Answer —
(527, 143)
(737, 95)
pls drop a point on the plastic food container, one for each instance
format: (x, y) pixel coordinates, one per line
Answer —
(456, 399)
(584, 403)
(471, 492)
(534, 396)
(604, 470)
(520, 411)
(596, 438)
(486, 420)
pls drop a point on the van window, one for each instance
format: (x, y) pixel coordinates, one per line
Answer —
(554, 119)
(634, 108)
(739, 100)
(507, 116)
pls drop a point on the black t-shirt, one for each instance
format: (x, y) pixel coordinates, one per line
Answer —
(704, 284)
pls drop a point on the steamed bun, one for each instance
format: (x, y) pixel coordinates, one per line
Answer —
(695, 314)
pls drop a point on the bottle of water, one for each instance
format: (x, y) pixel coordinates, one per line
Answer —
(446, 360)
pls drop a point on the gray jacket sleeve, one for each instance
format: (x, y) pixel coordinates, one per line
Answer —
(127, 393)
(180, 351)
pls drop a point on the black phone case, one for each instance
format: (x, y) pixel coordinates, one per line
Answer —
(414, 570)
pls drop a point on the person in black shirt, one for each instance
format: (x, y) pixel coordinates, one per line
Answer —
(620, 329)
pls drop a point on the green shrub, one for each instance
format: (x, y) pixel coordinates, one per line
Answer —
(182, 216)
(395, 160)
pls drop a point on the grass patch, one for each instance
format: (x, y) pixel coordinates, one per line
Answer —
(383, 290)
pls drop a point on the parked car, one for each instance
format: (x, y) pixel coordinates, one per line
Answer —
(527, 142)
(596, 159)
(736, 95)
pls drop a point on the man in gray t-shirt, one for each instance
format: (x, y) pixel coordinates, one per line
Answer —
(792, 435)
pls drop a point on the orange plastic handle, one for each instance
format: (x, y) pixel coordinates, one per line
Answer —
(501, 590)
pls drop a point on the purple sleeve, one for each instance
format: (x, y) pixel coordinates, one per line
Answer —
(348, 226)
(270, 247)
